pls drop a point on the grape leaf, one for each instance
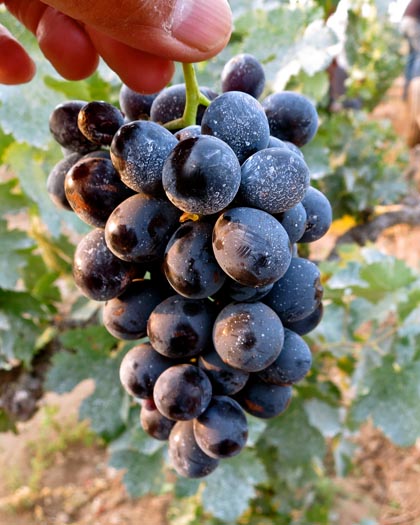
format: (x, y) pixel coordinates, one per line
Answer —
(15, 248)
(323, 417)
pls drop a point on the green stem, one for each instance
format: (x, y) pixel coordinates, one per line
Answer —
(194, 98)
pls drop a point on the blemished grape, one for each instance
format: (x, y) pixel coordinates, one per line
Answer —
(318, 215)
(251, 246)
(189, 132)
(248, 336)
(138, 152)
(264, 400)
(239, 120)
(64, 128)
(221, 430)
(201, 175)
(291, 116)
(126, 316)
(189, 263)
(308, 323)
(179, 327)
(298, 293)
(225, 379)
(243, 73)
(292, 364)
(140, 369)
(139, 228)
(153, 423)
(55, 181)
(99, 121)
(186, 456)
(293, 221)
(97, 272)
(274, 180)
(93, 189)
(182, 392)
(134, 105)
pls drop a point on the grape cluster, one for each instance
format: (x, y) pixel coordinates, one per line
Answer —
(194, 245)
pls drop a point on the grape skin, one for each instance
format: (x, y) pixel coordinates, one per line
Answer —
(154, 423)
(293, 221)
(245, 73)
(135, 106)
(308, 323)
(55, 181)
(318, 215)
(264, 400)
(225, 379)
(99, 121)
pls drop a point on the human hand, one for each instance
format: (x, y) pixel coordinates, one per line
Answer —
(139, 39)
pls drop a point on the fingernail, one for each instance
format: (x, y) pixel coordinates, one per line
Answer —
(202, 24)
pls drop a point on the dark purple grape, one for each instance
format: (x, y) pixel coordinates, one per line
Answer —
(180, 327)
(274, 142)
(140, 369)
(126, 316)
(274, 180)
(153, 423)
(138, 152)
(135, 106)
(293, 221)
(308, 323)
(293, 147)
(188, 132)
(99, 121)
(64, 128)
(93, 189)
(246, 294)
(139, 228)
(298, 293)
(55, 181)
(318, 215)
(182, 392)
(185, 455)
(264, 400)
(248, 336)
(189, 263)
(225, 379)
(292, 364)
(239, 120)
(98, 273)
(243, 73)
(291, 116)
(221, 430)
(251, 246)
(201, 175)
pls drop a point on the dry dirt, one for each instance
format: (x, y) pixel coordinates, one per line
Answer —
(78, 488)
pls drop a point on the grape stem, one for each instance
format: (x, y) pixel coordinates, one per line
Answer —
(194, 98)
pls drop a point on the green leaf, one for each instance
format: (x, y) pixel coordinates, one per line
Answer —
(236, 477)
(15, 248)
(323, 417)
(392, 399)
(11, 200)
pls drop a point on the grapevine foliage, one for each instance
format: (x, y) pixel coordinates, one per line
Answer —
(369, 339)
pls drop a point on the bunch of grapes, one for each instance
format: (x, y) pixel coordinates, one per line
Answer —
(194, 245)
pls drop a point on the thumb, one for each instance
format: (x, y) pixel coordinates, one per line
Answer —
(181, 30)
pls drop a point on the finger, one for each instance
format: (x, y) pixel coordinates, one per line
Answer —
(16, 67)
(181, 30)
(66, 45)
(28, 12)
(140, 71)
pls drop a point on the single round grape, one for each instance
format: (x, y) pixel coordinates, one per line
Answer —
(318, 215)
(251, 246)
(138, 152)
(180, 327)
(264, 400)
(221, 431)
(189, 263)
(243, 73)
(153, 423)
(225, 379)
(64, 128)
(93, 189)
(126, 316)
(293, 221)
(182, 392)
(292, 364)
(55, 181)
(291, 116)
(185, 455)
(140, 368)
(239, 120)
(298, 293)
(134, 105)
(201, 175)
(248, 336)
(139, 228)
(97, 272)
(99, 121)
(274, 180)
(308, 323)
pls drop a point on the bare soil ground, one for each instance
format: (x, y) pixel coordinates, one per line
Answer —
(75, 486)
